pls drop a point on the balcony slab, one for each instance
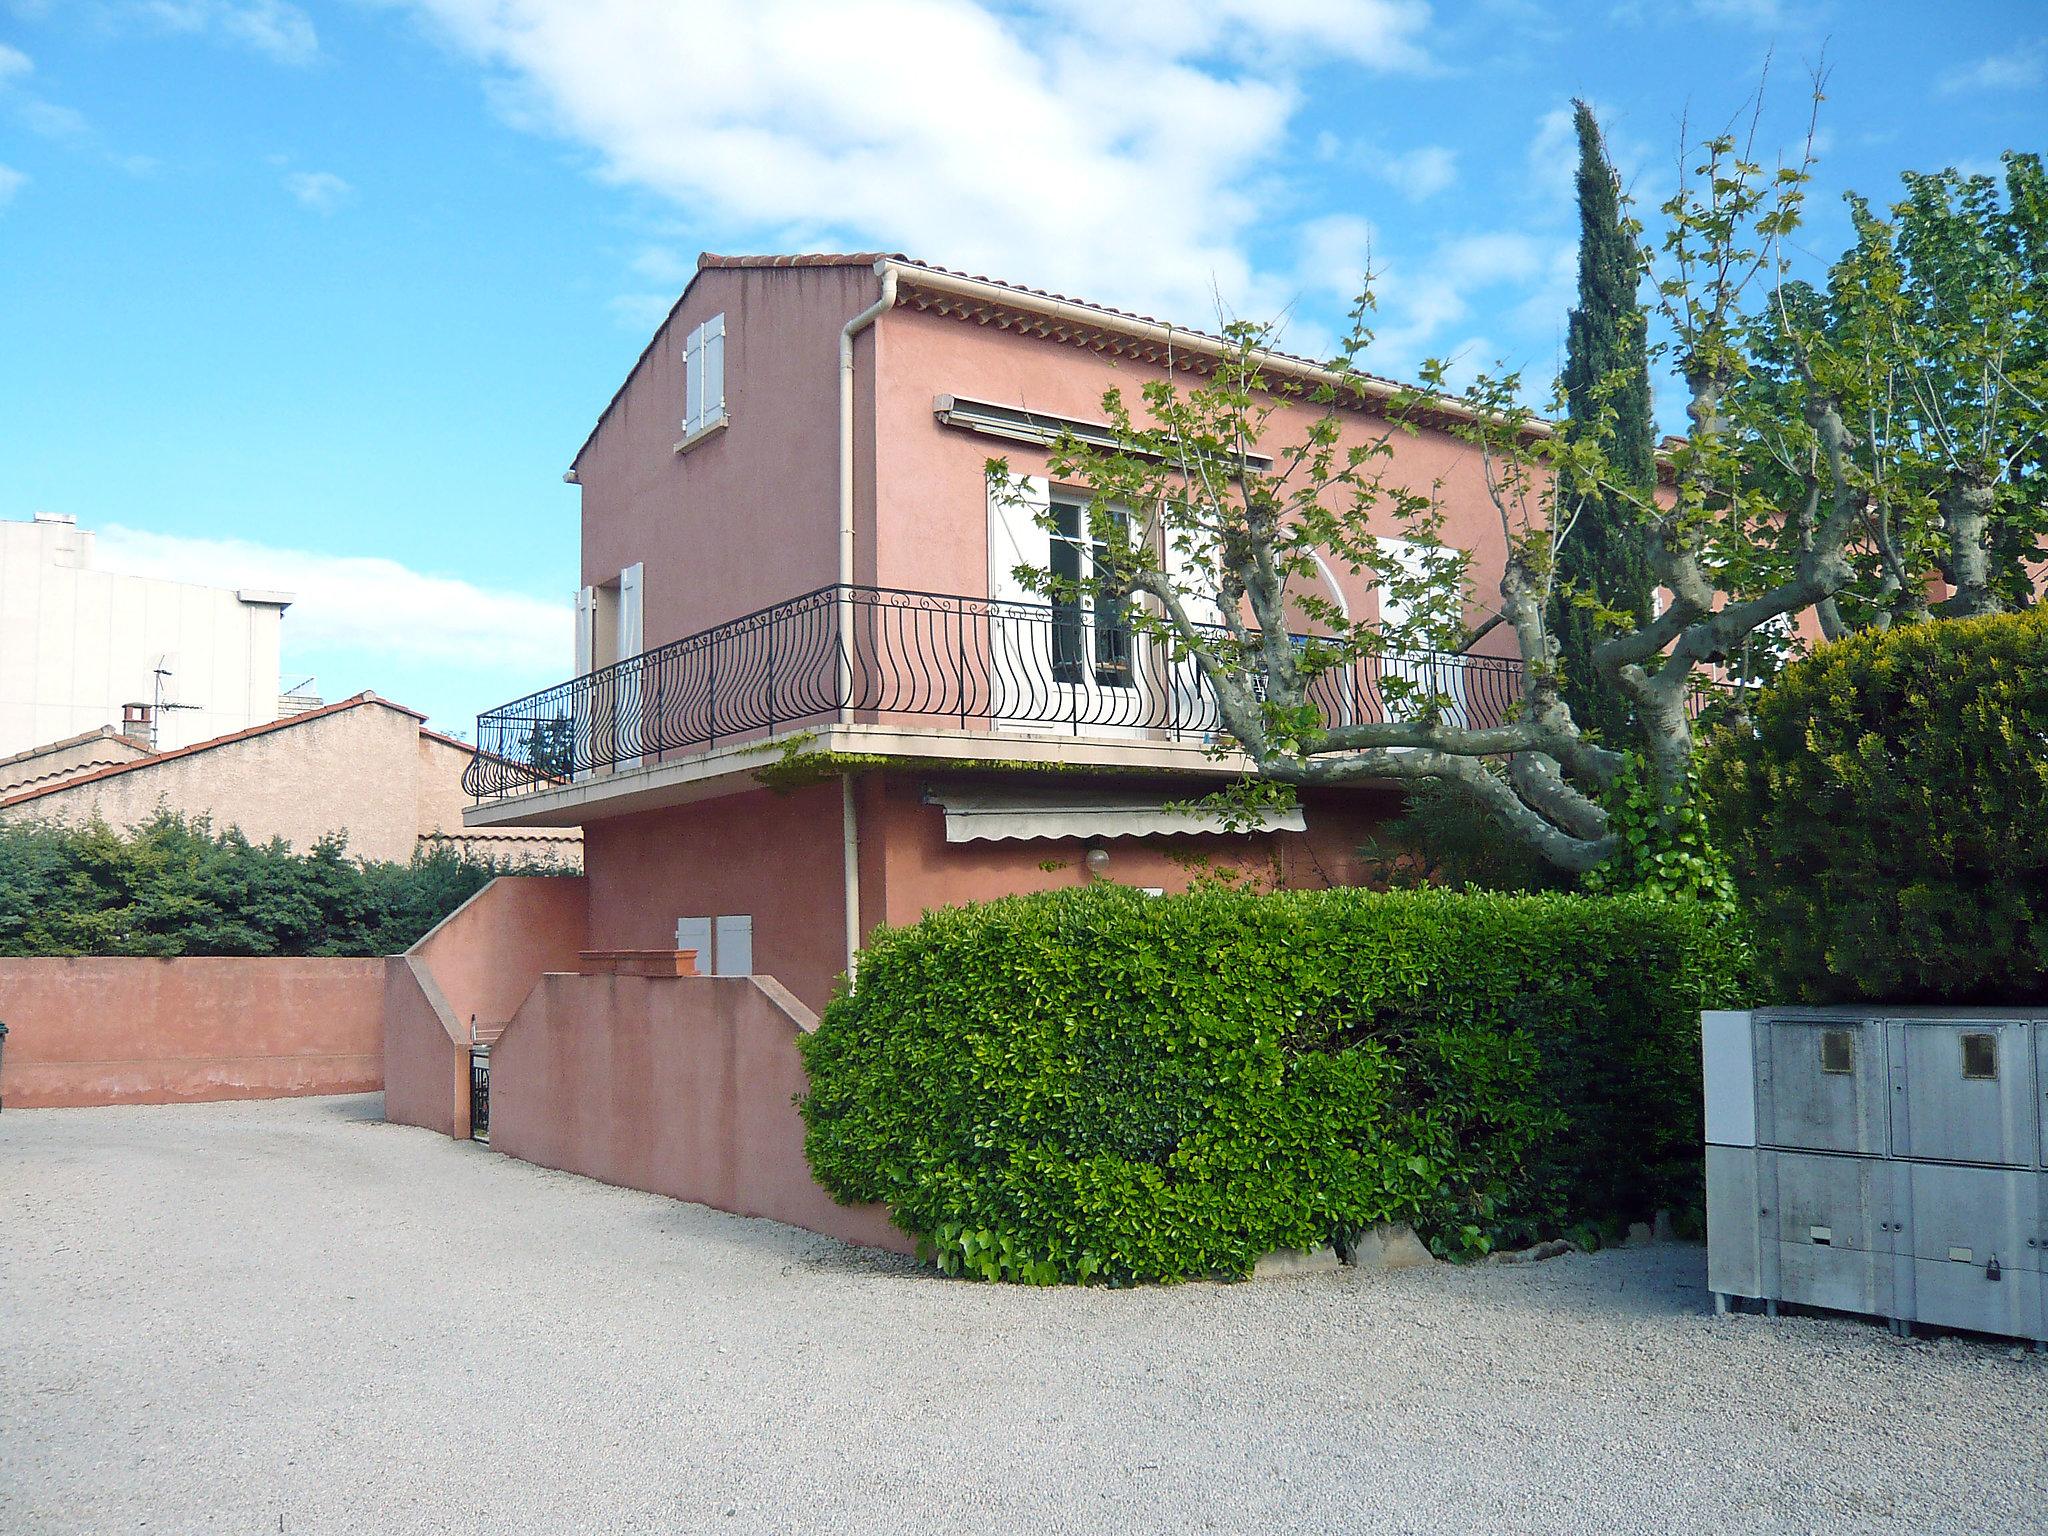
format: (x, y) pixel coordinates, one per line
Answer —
(707, 774)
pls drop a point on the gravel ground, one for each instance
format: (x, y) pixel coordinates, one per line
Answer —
(293, 1317)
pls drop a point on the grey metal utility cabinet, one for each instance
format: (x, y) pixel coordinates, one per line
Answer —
(1882, 1161)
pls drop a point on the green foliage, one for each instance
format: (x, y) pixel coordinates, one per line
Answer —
(1886, 815)
(551, 747)
(1442, 837)
(176, 887)
(1099, 1085)
(1665, 850)
(1604, 581)
(1931, 336)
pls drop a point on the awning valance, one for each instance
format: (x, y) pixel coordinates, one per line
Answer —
(1008, 815)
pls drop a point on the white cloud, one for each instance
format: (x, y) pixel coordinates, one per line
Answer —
(1417, 173)
(1334, 253)
(1753, 13)
(13, 62)
(1426, 300)
(658, 264)
(1114, 151)
(273, 28)
(2017, 69)
(358, 603)
(1424, 172)
(49, 120)
(321, 191)
(641, 312)
(11, 182)
(1379, 34)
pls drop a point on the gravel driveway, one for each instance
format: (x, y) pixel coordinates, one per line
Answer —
(293, 1317)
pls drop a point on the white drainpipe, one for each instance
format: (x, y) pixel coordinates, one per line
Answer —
(848, 817)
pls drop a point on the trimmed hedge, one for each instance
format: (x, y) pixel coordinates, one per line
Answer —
(1097, 1084)
(174, 886)
(1888, 817)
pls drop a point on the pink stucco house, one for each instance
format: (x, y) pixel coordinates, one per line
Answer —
(809, 692)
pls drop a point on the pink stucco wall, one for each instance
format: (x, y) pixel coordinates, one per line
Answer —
(426, 1057)
(124, 1031)
(777, 857)
(771, 855)
(930, 525)
(749, 516)
(478, 963)
(679, 1085)
(920, 870)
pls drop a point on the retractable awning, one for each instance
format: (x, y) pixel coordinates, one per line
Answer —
(1009, 815)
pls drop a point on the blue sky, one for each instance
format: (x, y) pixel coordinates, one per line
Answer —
(324, 297)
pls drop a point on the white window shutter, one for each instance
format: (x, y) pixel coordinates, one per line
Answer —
(693, 381)
(632, 611)
(733, 946)
(1017, 536)
(586, 630)
(713, 396)
(1410, 558)
(1194, 569)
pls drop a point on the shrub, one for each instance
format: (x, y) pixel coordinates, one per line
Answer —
(177, 887)
(1887, 816)
(1095, 1084)
(1665, 851)
(1442, 838)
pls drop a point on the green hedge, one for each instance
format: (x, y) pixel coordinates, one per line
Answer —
(177, 887)
(1888, 816)
(1097, 1084)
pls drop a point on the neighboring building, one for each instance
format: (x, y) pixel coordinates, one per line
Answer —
(66, 759)
(170, 662)
(790, 552)
(363, 767)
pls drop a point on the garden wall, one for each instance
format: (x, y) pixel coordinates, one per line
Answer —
(477, 964)
(682, 1086)
(131, 1031)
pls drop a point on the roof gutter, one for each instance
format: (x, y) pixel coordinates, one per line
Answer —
(887, 271)
(1164, 335)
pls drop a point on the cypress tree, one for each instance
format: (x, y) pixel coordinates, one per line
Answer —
(1606, 368)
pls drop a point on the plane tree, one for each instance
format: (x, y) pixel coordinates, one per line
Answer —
(1760, 519)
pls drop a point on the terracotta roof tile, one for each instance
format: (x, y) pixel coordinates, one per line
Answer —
(818, 259)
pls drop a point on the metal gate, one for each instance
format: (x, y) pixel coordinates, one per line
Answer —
(480, 1093)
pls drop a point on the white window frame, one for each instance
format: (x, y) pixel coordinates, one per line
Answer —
(703, 381)
(1090, 668)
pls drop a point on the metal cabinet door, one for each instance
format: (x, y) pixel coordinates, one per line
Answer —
(1973, 1216)
(1964, 1092)
(1976, 1241)
(1833, 1219)
(1821, 1083)
(1736, 1241)
(1949, 1295)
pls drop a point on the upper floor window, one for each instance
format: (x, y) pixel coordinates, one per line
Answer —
(704, 378)
(1091, 632)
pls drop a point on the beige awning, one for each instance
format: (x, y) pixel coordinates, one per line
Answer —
(1008, 815)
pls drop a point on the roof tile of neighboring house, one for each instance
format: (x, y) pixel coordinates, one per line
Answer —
(104, 733)
(117, 749)
(94, 775)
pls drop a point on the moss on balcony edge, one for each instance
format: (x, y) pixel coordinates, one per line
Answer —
(797, 766)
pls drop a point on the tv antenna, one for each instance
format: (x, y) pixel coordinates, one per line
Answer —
(157, 702)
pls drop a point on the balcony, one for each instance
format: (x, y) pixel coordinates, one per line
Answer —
(874, 656)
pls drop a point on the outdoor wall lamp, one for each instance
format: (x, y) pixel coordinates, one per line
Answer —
(1097, 860)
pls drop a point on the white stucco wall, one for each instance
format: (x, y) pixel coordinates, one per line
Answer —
(77, 643)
